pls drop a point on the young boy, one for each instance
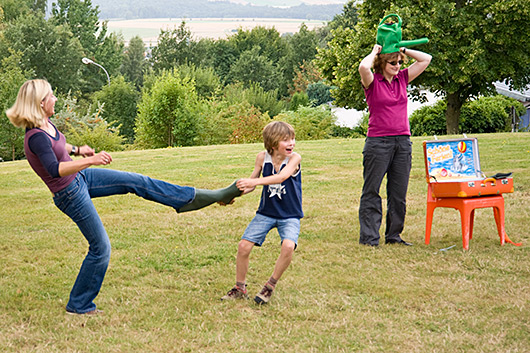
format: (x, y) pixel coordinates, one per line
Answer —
(280, 207)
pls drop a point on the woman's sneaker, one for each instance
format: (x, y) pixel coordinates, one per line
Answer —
(235, 293)
(265, 295)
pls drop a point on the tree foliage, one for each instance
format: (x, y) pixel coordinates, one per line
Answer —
(82, 19)
(174, 48)
(252, 67)
(134, 63)
(265, 101)
(82, 126)
(473, 43)
(319, 93)
(310, 123)
(119, 101)
(238, 122)
(482, 115)
(49, 51)
(11, 78)
(167, 113)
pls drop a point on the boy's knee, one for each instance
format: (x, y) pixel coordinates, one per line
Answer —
(288, 245)
(244, 247)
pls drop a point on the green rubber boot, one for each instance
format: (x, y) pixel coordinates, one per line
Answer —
(205, 197)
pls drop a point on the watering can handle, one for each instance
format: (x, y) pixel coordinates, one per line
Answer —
(391, 15)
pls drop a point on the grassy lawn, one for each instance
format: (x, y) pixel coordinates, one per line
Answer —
(168, 270)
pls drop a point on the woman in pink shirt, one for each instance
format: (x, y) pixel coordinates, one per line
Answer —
(388, 149)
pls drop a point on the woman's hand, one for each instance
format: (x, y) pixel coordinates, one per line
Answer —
(102, 158)
(86, 151)
(365, 67)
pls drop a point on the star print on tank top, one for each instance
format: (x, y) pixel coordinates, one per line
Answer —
(282, 200)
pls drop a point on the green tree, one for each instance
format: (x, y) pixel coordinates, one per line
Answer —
(223, 53)
(88, 127)
(473, 43)
(252, 67)
(310, 123)
(11, 78)
(302, 49)
(263, 57)
(119, 101)
(267, 41)
(174, 48)
(167, 113)
(82, 19)
(265, 101)
(49, 51)
(319, 93)
(134, 62)
(207, 83)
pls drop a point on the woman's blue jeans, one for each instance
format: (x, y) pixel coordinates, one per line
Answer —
(75, 201)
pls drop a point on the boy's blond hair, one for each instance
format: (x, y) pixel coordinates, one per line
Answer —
(274, 132)
(27, 111)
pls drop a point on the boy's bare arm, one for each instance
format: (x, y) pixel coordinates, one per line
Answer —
(255, 174)
(285, 173)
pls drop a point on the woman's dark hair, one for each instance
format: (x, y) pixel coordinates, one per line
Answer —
(381, 60)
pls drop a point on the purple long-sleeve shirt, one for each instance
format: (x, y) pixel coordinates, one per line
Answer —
(44, 153)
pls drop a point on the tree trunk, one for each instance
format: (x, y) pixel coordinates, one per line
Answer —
(452, 114)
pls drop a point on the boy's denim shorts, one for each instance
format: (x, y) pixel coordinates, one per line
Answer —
(261, 225)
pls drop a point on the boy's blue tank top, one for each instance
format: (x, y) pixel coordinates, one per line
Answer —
(281, 200)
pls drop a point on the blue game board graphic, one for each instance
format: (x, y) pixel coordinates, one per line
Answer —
(453, 159)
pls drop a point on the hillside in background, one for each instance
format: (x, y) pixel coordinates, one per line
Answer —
(134, 9)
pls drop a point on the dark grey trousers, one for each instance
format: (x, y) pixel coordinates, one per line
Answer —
(390, 156)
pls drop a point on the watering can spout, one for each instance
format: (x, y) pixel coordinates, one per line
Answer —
(411, 43)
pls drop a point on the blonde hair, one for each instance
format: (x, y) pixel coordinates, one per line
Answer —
(27, 111)
(274, 132)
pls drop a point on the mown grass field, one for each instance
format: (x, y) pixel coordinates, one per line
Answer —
(168, 270)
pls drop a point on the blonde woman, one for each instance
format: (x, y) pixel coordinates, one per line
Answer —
(73, 184)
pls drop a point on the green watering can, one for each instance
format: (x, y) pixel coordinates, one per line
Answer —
(389, 36)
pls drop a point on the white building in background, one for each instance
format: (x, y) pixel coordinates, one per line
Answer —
(523, 97)
(351, 117)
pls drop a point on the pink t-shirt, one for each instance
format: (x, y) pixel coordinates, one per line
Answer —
(387, 104)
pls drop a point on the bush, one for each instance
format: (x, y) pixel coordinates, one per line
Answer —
(120, 99)
(355, 132)
(86, 128)
(299, 99)
(486, 114)
(310, 123)
(429, 120)
(489, 114)
(319, 93)
(233, 123)
(265, 101)
(168, 113)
